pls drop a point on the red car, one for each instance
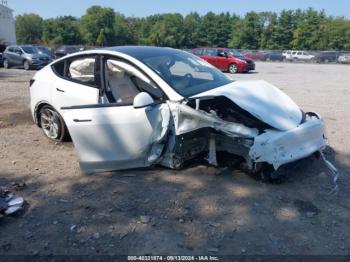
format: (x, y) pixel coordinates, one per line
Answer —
(225, 59)
(255, 55)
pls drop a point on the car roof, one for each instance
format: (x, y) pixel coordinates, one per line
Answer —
(140, 52)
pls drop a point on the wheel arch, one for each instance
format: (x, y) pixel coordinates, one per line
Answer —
(37, 109)
(232, 63)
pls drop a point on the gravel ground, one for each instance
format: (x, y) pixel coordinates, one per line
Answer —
(197, 210)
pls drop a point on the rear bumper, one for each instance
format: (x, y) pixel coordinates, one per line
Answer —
(281, 147)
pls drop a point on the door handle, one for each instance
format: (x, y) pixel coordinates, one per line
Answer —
(60, 90)
(82, 120)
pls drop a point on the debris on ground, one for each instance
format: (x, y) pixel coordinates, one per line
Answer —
(18, 186)
(306, 207)
(9, 204)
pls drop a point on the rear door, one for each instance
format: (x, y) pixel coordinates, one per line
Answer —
(78, 81)
(11, 55)
(210, 56)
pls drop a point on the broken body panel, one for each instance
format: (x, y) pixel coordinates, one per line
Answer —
(240, 119)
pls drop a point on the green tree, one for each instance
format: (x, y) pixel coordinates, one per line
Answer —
(268, 23)
(192, 23)
(101, 39)
(29, 28)
(125, 32)
(307, 32)
(96, 19)
(282, 36)
(168, 31)
(61, 30)
(247, 32)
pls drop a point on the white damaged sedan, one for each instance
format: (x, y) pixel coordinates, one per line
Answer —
(129, 107)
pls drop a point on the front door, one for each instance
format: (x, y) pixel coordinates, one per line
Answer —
(112, 137)
(115, 135)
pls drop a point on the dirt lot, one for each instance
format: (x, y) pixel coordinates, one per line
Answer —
(198, 210)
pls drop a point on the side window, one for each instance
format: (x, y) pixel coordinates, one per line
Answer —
(124, 81)
(212, 52)
(58, 68)
(82, 69)
(119, 84)
(221, 53)
(299, 53)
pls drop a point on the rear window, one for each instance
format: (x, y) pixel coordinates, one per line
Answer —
(58, 68)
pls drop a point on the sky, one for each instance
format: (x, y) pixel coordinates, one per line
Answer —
(142, 8)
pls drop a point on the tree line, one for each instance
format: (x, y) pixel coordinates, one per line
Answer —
(100, 26)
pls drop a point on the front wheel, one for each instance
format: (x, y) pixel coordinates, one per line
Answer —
(26, 65)
(233, 69)
(52, 124)
(6, 64)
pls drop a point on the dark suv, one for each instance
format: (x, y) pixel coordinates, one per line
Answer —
(27, 56)
(2, 49)
(67, 49)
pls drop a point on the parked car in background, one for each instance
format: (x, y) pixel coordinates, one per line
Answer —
(27, 56)
(67, 49)
(273, 56)
(255, 55)
(344, 59)
(2, 49)
(298, 56)
(225, 60)
(45, 50)
(326, 56)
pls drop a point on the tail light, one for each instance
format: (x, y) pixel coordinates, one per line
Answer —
(31, 82)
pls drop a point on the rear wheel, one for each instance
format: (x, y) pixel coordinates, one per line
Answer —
(233, 69)
(52, 124)
(26, 65)
(6, 63)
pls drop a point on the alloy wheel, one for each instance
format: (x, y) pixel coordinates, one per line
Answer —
(233, 69)
(50, 123)
(6, 64)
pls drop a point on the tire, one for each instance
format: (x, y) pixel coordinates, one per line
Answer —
(52, 124)
(232, 68)
(6, 64)
(26, 65)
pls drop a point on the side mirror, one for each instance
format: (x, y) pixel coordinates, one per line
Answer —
(142, 99)
(19, 52)
(222, 54)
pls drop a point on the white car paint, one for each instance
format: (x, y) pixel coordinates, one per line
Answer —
(263, 100)
(110, 137)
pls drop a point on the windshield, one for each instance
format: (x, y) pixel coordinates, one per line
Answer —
(235, 53)
(43, 50)
(29, 49)
(186, 73)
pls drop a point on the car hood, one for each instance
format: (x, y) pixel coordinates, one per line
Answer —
(247, 59)
(263, 100)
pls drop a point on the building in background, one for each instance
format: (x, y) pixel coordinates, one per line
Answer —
(7, 24)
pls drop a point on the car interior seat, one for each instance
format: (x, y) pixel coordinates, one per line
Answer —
(120, 84)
